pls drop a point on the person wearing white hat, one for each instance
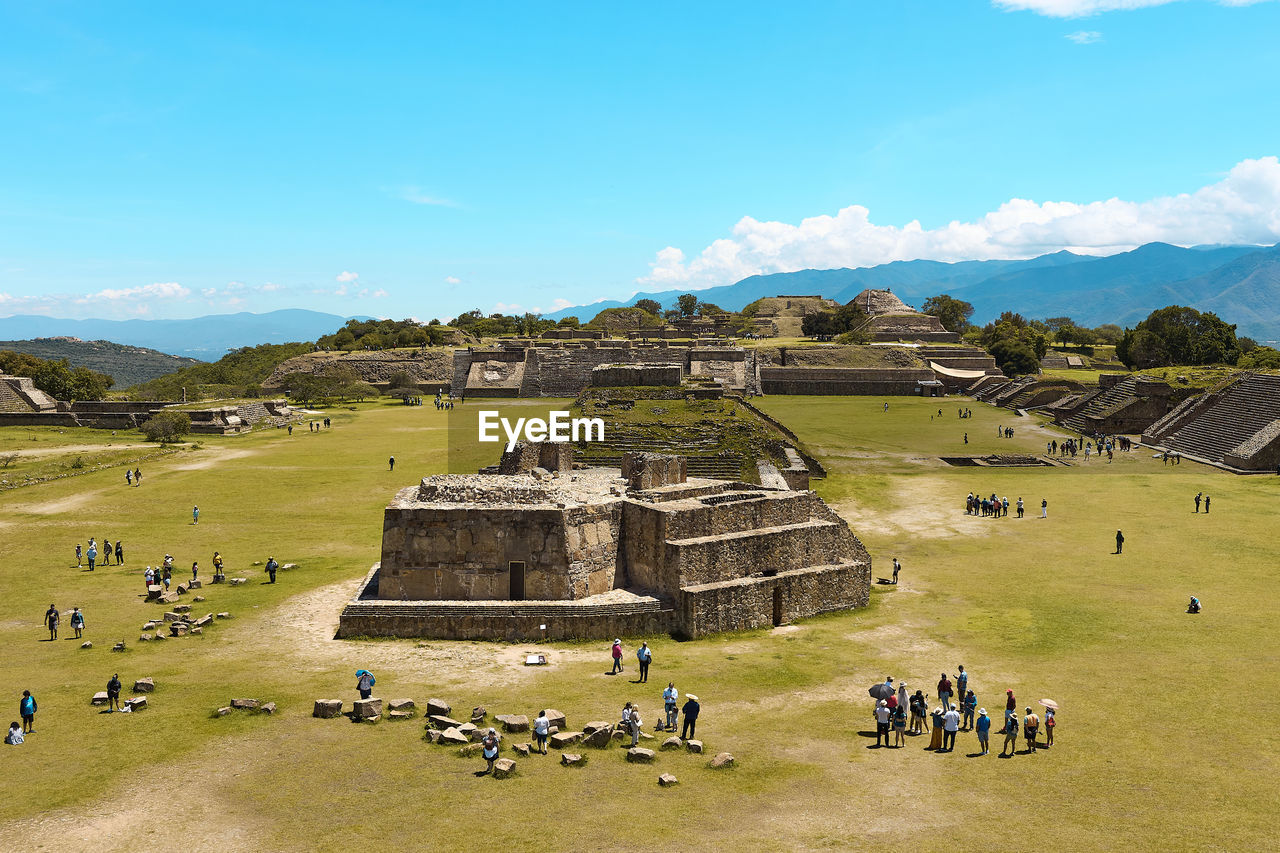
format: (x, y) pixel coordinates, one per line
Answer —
(882, 722)
(983, 727)
(902, 694)
(490, 747)
(691, 709)
(616, 651)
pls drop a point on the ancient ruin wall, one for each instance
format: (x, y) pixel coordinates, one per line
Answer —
(747, 603)
(842, 381)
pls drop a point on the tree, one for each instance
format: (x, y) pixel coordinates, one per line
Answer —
(1179, 335)
(847, 321)
(651, 305)
(570, 322)
(687, 304)
(624, 319)
(708, 308)
(1015, 357)
(167, 425)
(953, 313)
(1260, 358)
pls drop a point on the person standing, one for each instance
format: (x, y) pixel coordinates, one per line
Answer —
(490, 747)
(645, 656)
(541, 729)
(897, 567)
(950, 725)
(635, 723)
(1020, 508)
(113, 693)
(690, 710)
(119, 553)
(903, 698)
(27, 708)
(92, 554)
(391, 463)
(1050, 722)
(137, 476)
(919, 723)
(1119, 542)
(195, 515)
(106, 552)
(218, 576)
(77, 621)
(128, 477)
(935, 742)
(616, 651)
(79, 556)
(944, 692)
(1010, 710)
(51, 620)
(166, 575)
(272, 565)
(1030, 726)
(1010, 736)
(883, 715)
(967, 705)
(962, 685)
(1198, 494)
(1206, 504)
(150, 576)
(670, 697)
(983, 727)
(966, 438)
(899, 723)
(195, 569)
(365, 682)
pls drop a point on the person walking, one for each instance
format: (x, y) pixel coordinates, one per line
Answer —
(166, 575)
(616, 651)
(490, 749)
(1050, 722)
(137, 476)
(983, 728)
(271, 567)
(1030, 726)
(51, 620)
(365, 682)
(195, 515)
(27, 708)
(119, 553)
(944, 692)
(690, 710)
(645, 656)
(128, 476)
(950, 725)
(883, 715)
(92, 554)
(541, 729)
(77, 621)
(1119, 542)
(391, 463)
(79, 556)
(113, 693)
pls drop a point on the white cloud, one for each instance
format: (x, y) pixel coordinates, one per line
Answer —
(416, 195)
(271, 287)
(1084, 8)
(1244, 207)
(505, 308)
(366, 293)
(452, 279)
(345, 276)
(1084, 36)
(158, 290)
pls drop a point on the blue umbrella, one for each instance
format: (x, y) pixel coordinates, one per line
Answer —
(360, 672)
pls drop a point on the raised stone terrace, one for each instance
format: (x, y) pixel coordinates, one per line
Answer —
(1235, 426)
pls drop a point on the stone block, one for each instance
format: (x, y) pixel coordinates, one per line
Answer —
(572, 759)
(149, 626)
(478, 714)
(722, 759)
(693, 745)
(86, 645)
(224, 615)
(180, 589)
(144, 685)
(204, 621)
(327, 708)
(471, 749)
(137, 703)
(400, 705)
(513, 722)
(522, 749)
(99, 698)
(267, 708)
(597, 734)
(244, 704)
(640, 755)
(443, 721)
(666, 780)
(433, 735)
(364, 709)
(168, 598)
(198, 598)
(178, 629)
(470, 730)
(160, 636)
(118, 647)
(195, 585)
(503, 767)
(197, 631)
(288, 567)
(555, 718)
(222, 712)
(672, 742)
(173, 616)
(399, 715)
(145, 638)
(182, 608)
(438, 708)
(375, 718)
(452, 736)
(154, 591)
(237, 581)
(560, 740)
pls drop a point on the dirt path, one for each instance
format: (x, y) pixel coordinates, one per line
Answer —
(916, 514)
(73, 448)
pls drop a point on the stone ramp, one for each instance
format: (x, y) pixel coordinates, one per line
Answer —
(1129, 405)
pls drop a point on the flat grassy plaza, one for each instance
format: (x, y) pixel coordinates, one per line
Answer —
(1163, 740)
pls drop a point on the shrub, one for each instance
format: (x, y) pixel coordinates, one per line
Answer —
(167, 425)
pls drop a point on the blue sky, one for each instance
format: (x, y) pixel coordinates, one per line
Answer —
(169, 160)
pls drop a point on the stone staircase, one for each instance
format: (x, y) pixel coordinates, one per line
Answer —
(1120, 394)
(11, 401)
(1224, 422)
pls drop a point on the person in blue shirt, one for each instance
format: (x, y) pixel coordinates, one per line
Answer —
(984, 731)
(645, 656)
(27, 708)
(670, 697)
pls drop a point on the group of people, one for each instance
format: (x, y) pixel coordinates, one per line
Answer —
(92, 553)
(53, 619)
(892, 708)
(1004, 432)
(162, 575)
(1202, 496)
(27, 710)
(644, 657)
(443, 404)
(133, 478)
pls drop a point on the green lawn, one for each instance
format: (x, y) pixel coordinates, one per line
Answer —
(1147, 755)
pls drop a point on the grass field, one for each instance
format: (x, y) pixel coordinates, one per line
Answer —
(1149, 753)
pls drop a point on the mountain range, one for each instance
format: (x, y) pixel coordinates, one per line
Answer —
(127, 365)
(1241, 284)
(205, 338)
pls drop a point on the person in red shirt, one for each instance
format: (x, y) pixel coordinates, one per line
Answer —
(1010, 711)
(944, 692)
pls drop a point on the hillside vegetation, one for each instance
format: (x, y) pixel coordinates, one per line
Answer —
(127, 365)
(236, 374)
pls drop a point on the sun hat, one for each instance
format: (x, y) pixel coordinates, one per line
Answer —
(691, 696)
(982, 712)
(883, 703)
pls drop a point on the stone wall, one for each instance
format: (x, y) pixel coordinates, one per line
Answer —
(645, 471)
(758, 602)
(528, 455)
(628, 375)
(842, 381)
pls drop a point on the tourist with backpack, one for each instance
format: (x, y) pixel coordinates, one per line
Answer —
(77, 621)
(541, 728)
(616, 651)
(27, 709)
(113, 693)
(365, 682)
(670, 697)
(645, 655)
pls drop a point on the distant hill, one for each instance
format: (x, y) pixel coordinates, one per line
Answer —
(127, 365)
(205, 338)
(1239, 283)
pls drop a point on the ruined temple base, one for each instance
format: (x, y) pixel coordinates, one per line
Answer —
(757, 601)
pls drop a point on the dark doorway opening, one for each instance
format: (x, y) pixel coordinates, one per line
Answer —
(777, 606)
(517, 580)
